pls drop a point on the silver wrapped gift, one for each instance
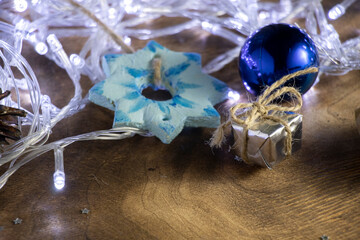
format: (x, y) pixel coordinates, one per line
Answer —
(267, 140)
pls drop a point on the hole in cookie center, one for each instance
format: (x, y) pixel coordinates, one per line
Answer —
(157, 95)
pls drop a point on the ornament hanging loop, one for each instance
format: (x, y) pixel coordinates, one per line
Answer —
(156, 62)
(115, 37)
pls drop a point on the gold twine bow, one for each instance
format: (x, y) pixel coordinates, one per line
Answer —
(263, 109)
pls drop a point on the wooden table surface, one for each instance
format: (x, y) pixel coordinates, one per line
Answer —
(185, 190)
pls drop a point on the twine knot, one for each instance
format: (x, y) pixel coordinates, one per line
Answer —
(261, 110)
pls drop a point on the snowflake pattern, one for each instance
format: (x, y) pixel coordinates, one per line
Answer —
(193, 92)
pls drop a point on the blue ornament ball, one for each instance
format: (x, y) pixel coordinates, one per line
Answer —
(274, 51)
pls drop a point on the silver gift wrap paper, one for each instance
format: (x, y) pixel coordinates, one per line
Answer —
(266, 141)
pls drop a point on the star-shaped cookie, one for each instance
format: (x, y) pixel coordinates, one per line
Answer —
(193, 93)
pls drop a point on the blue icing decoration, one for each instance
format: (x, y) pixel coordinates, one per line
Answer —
(193, 96)
(129, 85)
(193, 57)
(132, 95)
(177, 100)
(144, 85)
(164, 108)
(121, 117)
(167, 127)
(210, 111)
(111, 57)
(136, 73)
(219, 86)
(152, 45)
(183, 85)
(98, 88)
(176, 70)
(141, 103)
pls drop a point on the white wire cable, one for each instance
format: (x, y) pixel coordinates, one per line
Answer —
(41, 23)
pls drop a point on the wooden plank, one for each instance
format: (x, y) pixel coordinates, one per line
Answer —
(184, 190)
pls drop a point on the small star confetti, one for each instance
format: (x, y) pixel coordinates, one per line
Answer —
(17, 221)
(85, 211)
(324, 237)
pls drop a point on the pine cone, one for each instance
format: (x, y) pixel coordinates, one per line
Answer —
(7, 128)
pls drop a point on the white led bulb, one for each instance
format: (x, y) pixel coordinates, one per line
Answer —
(41, 48)
(20, 5)
(54, 43)
(59, 175)
(77, 61)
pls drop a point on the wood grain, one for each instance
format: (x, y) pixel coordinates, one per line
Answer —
(185, 190)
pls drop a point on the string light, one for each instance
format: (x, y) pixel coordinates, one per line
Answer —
(112, 13)
(34, 2)
(41, 48)
(54, 43)
(233, 96)
(77, 61)
(339, 9)
(232, 21)
(20, 5)
(127, 40)
(59, 174)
